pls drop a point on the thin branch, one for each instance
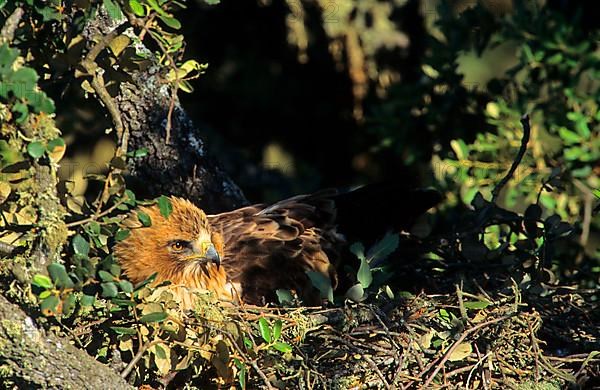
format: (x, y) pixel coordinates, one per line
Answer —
(12, 22)
(97, 82)
(96, 216)
(588, 197)
(520, 154)
(137, 358)
(457, 343)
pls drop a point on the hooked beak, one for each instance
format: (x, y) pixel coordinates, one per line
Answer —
(213, 256)
(206, 253)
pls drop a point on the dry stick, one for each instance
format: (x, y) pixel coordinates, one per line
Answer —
(587, 212)
(95, 217)
(520, 154)
(377, 371)
(12, 22)
(460, 340)
(91, 67)
(535, 351)
(137, 358)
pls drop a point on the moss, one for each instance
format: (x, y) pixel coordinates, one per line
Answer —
(6, 371)
(531, 385)
(13, 329)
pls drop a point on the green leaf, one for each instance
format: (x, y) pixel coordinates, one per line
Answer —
(123, 302)
(80, 245)
(87, 300)
(113, 9)
(364, 275)
(42, 281)
(355, 293)
(122, 330)
(50, 303)
(165, 206)
(20, 108)
(126, 286)
(476, 305)
(358, 249)
(144, 219)
(122, 234)
(383, 248)
(170, 21)
(105, 276)
(282, 347)
(277, 329)
(36, 149)
(265, 330)
(284, 296)
(45, 294)
(55, 143)
(569, 136)
(141, 152)
(93, 228)
(158, 316)
(137, 8)
(109, 290)
(322, 283)
(241, 372)
(59, 275)
(69, 304)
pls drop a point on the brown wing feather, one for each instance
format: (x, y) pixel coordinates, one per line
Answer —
(270, 248)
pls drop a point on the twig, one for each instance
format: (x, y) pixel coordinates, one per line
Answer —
(91, 67)
(96, 216)
(515, 164)
(587, 211)
(536, 351)
(460, 340)
(12, 22)
(374, 367)
(137, 358)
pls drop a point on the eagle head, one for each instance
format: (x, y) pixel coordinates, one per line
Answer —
(181, 248)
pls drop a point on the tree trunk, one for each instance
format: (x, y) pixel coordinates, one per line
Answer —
(33, 358)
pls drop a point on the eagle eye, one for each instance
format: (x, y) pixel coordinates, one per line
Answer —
(178, 245)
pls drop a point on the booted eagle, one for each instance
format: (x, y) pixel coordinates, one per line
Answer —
(247, 254)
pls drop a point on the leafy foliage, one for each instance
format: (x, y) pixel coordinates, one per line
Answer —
(474, 135)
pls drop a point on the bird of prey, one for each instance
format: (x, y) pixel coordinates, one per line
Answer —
(247, 254)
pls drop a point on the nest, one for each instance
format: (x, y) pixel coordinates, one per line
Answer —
(460, 340)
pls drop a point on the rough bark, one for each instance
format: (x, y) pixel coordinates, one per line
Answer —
(33, 358)
(182, 166)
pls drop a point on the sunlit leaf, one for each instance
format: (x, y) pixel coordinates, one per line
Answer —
(265, 330)
(165, 206)
(35, 149)
(42, 281)
(282, 347)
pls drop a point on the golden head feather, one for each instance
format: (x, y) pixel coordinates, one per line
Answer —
(181, 248)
